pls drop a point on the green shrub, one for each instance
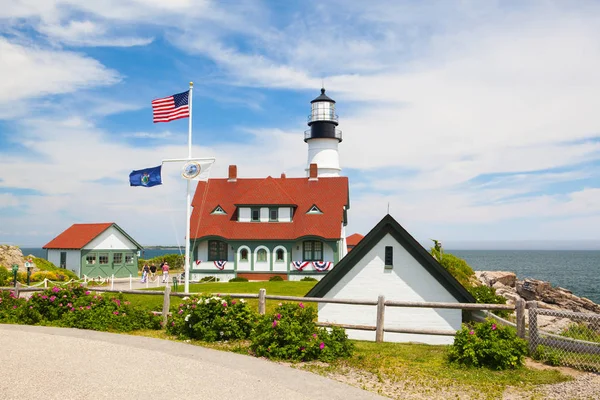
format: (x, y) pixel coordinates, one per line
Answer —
(5, 277)
(487, 295)
(212, 319)
(238, 279)
(61, 274)
(210, 279)
(9, 306)
(581, 331)
(290, 333)
(457, 267)
(488, 345)
(276, 278)
(309, 279)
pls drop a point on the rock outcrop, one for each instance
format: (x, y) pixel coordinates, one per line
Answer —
(555, 298)
(11, 255)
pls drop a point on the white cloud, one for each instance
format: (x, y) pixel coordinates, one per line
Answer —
(88, 33)
(32, 71)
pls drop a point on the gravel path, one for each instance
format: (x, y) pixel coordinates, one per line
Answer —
(59, 363)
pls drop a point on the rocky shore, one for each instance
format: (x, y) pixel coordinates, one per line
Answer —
(555, 298)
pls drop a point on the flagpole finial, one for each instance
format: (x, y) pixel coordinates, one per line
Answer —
(191, 84)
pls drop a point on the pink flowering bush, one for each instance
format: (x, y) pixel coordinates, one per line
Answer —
(76, 307)
(9, 306)
(290, 333)
(488, 345)
(211, 318)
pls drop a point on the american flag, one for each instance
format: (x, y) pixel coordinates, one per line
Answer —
(171, 108)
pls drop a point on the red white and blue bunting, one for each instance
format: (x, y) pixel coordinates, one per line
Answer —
(300, 265)
(320, 266)
(198, 262)
(220, 264)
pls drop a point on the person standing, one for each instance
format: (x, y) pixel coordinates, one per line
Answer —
(152, 270)
(145, 271)
(165, 272)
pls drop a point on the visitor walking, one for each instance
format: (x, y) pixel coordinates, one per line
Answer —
(145, 271)
(152, 270)
(165, 272)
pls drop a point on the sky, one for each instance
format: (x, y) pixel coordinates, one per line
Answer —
(475, 122)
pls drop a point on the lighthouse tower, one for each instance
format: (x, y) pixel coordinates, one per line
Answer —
(323, 137)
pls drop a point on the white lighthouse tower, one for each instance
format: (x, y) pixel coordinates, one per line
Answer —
(323, 137)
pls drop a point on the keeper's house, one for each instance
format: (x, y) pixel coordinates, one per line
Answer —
(95, 250)
(390, 262)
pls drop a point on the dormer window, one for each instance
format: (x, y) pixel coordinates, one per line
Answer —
(273, 214)
(218, 211)
(255, 215)
(314, 210)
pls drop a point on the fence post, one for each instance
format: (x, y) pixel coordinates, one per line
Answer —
(166, 304)
(147, 283)
(262, 301)
(17, 289)
(533, 328)
(380, 314)
(130, 282)
(520, 310)
(45, 283)
(112, 282)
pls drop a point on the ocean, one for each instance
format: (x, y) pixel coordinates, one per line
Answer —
(575, 270)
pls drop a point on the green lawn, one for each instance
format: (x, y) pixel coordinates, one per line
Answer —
(285, 288)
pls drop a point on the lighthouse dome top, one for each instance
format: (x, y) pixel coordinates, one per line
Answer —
(323, 97)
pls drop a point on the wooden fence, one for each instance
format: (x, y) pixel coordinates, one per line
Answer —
(380, 305)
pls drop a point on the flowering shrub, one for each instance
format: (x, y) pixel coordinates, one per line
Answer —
(77, 308)
(291, 333)
(9, 305)
(211, 319)
(488, 345)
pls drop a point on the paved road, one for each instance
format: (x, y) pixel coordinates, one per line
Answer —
(59, 363)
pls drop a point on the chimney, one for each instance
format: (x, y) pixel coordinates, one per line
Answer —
(313, 172)
(283, 175)
(232, 173)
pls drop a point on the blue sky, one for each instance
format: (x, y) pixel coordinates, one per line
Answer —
(477, 122)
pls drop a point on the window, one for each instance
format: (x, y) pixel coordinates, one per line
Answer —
(219, 210)
(314, 210)
(261, 255)
(63, 259)
(244, 255)
(279, 255)
(217, 250)
(90, 259)
(313, 250)
(255, 214)
(118, 258)
(389, 257)
(129, 258)
(103, 258)
(273, 214)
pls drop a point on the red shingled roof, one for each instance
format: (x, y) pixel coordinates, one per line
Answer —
(353, 239)
(330, 195)
(77, 236)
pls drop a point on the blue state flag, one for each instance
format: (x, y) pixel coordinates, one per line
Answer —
(146, 177)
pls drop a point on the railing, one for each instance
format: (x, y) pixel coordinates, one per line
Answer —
(322, 116)
(337, 135)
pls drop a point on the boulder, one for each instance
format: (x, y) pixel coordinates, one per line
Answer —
(490, 278)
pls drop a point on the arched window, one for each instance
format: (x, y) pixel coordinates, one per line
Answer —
(244, 255)
(279, 255)
(261, 255)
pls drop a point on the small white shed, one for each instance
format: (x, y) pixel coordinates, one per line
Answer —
(390, 262)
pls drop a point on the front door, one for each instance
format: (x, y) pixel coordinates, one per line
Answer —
(63, 259)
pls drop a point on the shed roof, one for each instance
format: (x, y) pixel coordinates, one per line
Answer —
(78, 235)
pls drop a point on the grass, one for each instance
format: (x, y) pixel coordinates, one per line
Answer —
(398, 369)
(285, 288)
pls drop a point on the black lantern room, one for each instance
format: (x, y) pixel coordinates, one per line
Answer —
(322, 119)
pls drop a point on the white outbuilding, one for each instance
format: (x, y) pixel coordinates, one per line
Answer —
(390, 262)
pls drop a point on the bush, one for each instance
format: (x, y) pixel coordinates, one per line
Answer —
(276, 278)
(238, 279)
(546, 355)
(61, 274)
(5, 277)
(212, 319)
(9, 306)
(308, 279)
(210, 279)
(75, 307)
(488, 345)
(457, 267)
(290, 333)
(581, 331)
(487, 295)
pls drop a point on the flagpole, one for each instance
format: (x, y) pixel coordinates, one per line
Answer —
(188, 204)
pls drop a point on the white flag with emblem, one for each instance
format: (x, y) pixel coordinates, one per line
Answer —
(197, 170)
